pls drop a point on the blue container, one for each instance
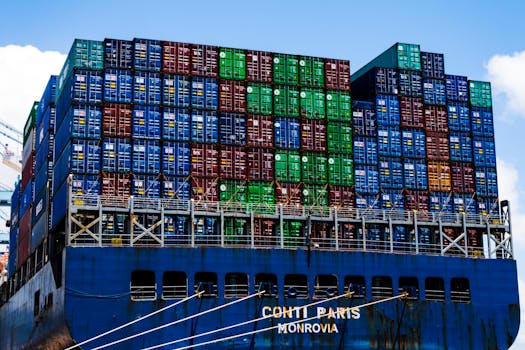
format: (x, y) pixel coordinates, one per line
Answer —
(146, 156)
(84, 87)
(118, 86)
(147, 88)
(42, 177)
(376, 81)
(27, 198)
(118, 53)
(367, 201)
(441, 202)
(392, 200)
(434, 92)
(40, 207)
(484, 151)
(366, 179)
(415, 174)
(204, 93)
(176, 91)
(176, 229)
(47, 124)
(44, 153)
(176, 158)
(205, 229)
(482, 121)
(376, 237)
(387, 110)
(39, 229)
(145, 186)
(389, 141)
(80, 157)
(47, 100)
(81, 121)
(410, 83)
(458, 116)
(464, 203)
(13, 248)
(146, 122)
(486, 182)
(433, 65)
(176, 124)
(85, 184)
(287, 133)
(15, 202)
(400, 234)
(116, 155)
(487, 206)
(176, 187)
(414, 143)
(232, 129)
(457, 88)
(365, 150)
(204, 126)
(364, 118)
(460, 147)
(147, 55)
(390, 173)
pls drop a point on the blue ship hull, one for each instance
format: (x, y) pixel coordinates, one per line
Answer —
(94, 297)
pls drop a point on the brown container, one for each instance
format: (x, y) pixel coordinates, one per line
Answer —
(27, 172)
(337, 74)
(204, 60)
(416, 200)
(439, 176)
(259, 131)
(264, 228)
(117, 120)
(176, 58)
(438, 146)
(259, 66)
(204, 160)
(24, 237)
(232, 163)
(204, 189)
(462, 177)
(411, 110)
(436, 118)
(260, 164)
(114, 184)
(313, 135)
(341, 196)
(232, 96)
(288, 194)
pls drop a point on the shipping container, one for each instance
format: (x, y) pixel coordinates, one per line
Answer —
(118, 54)
(176, 58)
(341, 196)
(81, 121)
(204, 160)
(232, 63)
(146, 122)
(261, 193)
(314, 168)
(462, 176)
(204, 189)
(315, 195)
(259, 131)
(480, 94)
(232, 129)
(311, 71)
(464, 203)
(24, 238)
(28, 171)
(486, 182)
(436, 118)
(439, 176)
(413, 143)
(364, 118)
(392, 200)
(366, 179)
(433, 65)
(232, 96)
(264, 229)
(47, 125)
(390, 173)
(204, 126)
(114, 184)
(116, 155)
(145, 186)
(410, 83)
(434, 92)
(147, 55)
(389, 141)
(285, 69)
(441, 202)
(118, 86)
(84, 185)
(47, 100)
(412, 112)
(482, 121)
(337, 74)
(26, 197)
(340, 170)
(40, 220)
(367, 201)
(145, 156)
(176, 90)
(206, 230)
(204, 60)
(415, 174)
(13, 249)
(176, 158)
(79, 156)
(460, 147)
(44, 154)
(233, 163)
(176, 187)
(484, 151)
(287, 133)
(487, 205)
(312, 103)
(260, 164)
(259, 66)
(176, 123)
(416, 200)
(42, 179)
(289, 193)
(374, 82)
(287, 166)
(286, 101)
(236, 231)
(29, 147)
(82, 87)
(313, 135)
(116, 120)
(365, 150)
(259, 98)
(339, 137)
(438, 146)
(232, 191)
(204, 93)
(15, 203)
(457, 88)
(147, 88)
(387, 110)
(458, 116)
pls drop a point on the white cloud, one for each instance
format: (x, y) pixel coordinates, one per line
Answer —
(507, 74)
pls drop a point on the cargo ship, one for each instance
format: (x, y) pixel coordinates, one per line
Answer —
(178, 196)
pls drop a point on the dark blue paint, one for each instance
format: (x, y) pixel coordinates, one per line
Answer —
(415, 174)
(458, 116)
(147, 55)
(146, 122)
(118, 86)
(410, 83)
(146, 156)
(484, 151)
(176, 91)
(232, 129)
(118, 53)
(116, 155)
(366, 179)
(364, 118)
(176, 124)
(389, 141)
(482, 121)
(176, 187)
(414, 143)
(176, 158)
(204, 93)
(441, 202)
(145, 186)
(387, 110)
(434, 92)
(390, 173)
(204, 126)
(146, 88)
(287, 133)
(486, 182)
(460, 147)
(365, 150)
(457, 88)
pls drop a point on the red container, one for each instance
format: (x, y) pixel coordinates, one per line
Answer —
(346, 232)
(259, 131)
(204, 189)
(341, 196)
(233, 163)
(260, 163)
(232, 96)
(176, 58)
(264, 228)
(322, 232)
(416, 200)
(114, 184)
(204, 160)
(337, 74)
(259, 66)
(27, 172)
(24, 237)
(438, 146)
(462, 176)
(436, 118)
(288, 194)
(313, 135)
(474, 237)
(411, 110)
(204, 60)
(117, 120)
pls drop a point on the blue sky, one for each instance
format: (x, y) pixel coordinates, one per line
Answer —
(470, 34)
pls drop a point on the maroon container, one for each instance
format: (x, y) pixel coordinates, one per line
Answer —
(346, 232)
(233, 163)
(462, 177)
(260, 163)
(232, 96)
(436, 118)
(438, 146)
(27, 172)
(259, 131)
(411, 110)
(24, 237)
(337, 74)
(264, 228)
(474, 237)
(204, 160)
(114, 184)
(313, 135)
(204, 189)
(341, 196)
(288, 194)
(416, 200)
(204, 60)
(176, 58)
(259, 66)
(117, 119)
(321, 231)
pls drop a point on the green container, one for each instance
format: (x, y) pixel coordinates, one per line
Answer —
(232, 191)
(313, 103)
(338, 106)
(285, 69)
(30, 122)
(232, 63)
(287, 166)
(480, 94)
(236, 231)
(286, 101)
(339, 138)
(293, 233)
(311, 71)
(340, 170)
(314, 168)
(260, 192)
(315, 195)
(259, 98)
